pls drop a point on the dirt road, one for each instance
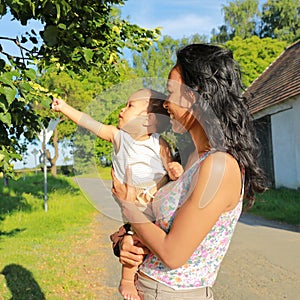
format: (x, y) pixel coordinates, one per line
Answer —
(263, 261)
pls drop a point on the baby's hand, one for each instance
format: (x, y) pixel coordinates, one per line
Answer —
(57, 104)
(175, 169)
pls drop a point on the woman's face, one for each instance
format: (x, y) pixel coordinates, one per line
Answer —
(179, 102)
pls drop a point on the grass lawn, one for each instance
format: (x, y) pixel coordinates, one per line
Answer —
(37, 257)
(281, 205)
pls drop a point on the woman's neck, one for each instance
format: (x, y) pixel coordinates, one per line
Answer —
(200, 140)
(201, 145)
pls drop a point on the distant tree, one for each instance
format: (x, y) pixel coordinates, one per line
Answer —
(278, 19)
(281, 20)
(221, 36)
(254, 55)
(157, 61)
(240, 17)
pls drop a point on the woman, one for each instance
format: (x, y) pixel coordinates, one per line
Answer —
(197, 214)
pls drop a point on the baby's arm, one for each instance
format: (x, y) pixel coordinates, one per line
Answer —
(173, 168)
(106, 132)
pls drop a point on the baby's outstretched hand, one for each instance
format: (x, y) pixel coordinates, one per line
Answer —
(57, 104)
(175, 169)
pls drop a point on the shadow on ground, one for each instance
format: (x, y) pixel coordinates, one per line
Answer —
(21, 283)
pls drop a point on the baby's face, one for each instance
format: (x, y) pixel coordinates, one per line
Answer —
(134, 114)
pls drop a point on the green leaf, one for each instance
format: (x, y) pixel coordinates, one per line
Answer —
(62, 26)
(10, 94)
(25, 86)
(88, 54)
(31, 74)
(5, 118)
(46, 102)
(50, 35)
(6, 79)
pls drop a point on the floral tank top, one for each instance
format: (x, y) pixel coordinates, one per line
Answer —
(202, 267)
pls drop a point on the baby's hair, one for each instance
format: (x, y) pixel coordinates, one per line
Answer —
(156, 102)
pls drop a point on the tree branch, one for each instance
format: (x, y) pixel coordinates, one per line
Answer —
(17, 42)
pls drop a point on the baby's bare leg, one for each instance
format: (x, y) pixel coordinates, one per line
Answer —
(127, 287)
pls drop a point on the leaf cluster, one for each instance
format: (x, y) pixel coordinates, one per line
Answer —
(79, 33)
(17, 117)
(254, 55)
(78, 36)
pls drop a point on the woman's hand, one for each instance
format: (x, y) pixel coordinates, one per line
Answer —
(132, 251)
(123, 192)
(126, 195)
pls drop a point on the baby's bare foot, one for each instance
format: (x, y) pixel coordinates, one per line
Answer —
(128, 290)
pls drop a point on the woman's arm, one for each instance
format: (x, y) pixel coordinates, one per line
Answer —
(217, 190)
(106, 132)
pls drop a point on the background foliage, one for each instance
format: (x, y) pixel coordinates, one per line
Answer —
(78, 55)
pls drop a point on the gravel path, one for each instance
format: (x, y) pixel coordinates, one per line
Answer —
(263, 261)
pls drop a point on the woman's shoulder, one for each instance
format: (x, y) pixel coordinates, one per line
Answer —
(221, 161)
(221, 165)
(220, 172)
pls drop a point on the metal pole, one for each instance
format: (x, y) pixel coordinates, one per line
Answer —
(35, 163)
(45, 172)
(35, 152)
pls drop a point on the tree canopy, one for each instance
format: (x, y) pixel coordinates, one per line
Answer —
(281, 20)
(241, 16)
(77, 36)
(254, 55)
(278, 19)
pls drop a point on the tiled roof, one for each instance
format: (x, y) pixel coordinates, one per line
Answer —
(279, 82)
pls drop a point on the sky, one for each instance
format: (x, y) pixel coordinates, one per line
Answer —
(177, 18)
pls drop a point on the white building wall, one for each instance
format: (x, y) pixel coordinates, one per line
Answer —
(297, 138)
(285, 140)
(285, 124)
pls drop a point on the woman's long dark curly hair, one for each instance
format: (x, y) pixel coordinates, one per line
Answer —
(215, 77)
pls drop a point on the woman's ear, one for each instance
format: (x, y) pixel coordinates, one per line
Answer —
(192, 95)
